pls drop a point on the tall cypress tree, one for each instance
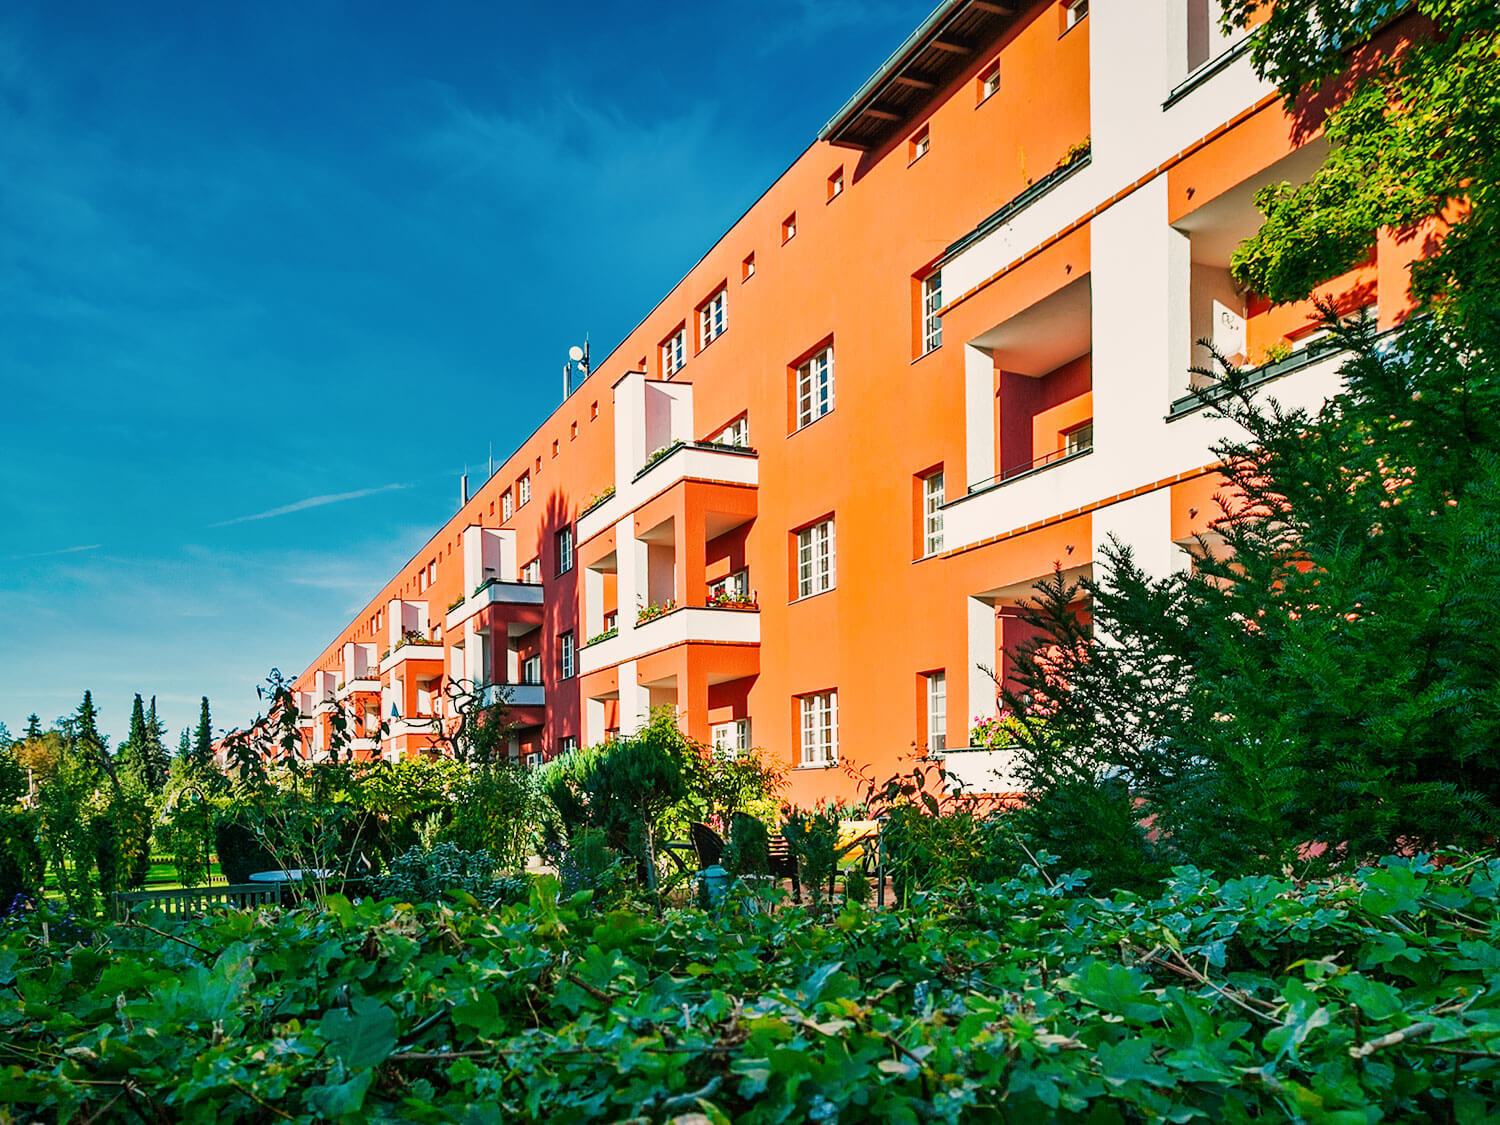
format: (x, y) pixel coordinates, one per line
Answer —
(82, 730)
(185, 745)
(203, 742)
(33, 727)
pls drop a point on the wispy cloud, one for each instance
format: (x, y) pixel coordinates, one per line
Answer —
(311, 502)
(63, 551)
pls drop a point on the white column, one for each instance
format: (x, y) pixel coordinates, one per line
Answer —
(979, 416)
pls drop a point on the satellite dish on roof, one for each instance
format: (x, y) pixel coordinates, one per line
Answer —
(575, 353)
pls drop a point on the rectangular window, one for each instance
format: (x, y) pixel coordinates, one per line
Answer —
(674, 352)
(932, 513)
(816, 562)
(565, 550)
(1079, 440)
(937, 711)
(820, 728)
(789, 228)
(554, 448)
(921, 142)
(531, 670)
(747, 267)
(736, 433)
(734, 586)
(1073, 11)
(836, 184)
(573, 432)
(523, 490)
(566, 654)
(987, 85)
(932, 303)
(731, 739)
(532, 571)
(815, 388)
(567, 744)
(713, 318)
(507, 505)
(594, 408)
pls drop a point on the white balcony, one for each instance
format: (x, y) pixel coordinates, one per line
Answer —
(981, 770)
(695, 460)
(494, 592)
(364, 745)
(417, 724)
(412, 650)
(681, 626)
(359, 683)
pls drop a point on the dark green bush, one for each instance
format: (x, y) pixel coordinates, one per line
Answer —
(749, 849)
(22, 865)
(240, 850)
(433, 874)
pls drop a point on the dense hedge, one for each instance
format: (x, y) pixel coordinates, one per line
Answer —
(1368, 998)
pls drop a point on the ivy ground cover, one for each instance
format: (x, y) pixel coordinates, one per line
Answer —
(1358, 1000)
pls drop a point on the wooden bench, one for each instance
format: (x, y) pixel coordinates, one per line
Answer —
(191, 902)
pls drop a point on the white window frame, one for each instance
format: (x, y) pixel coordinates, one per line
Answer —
(713, 317)
(932, 514)
(567, 656)
(567, 744)
(815, 387)
(531, 669)
(674, 352)
(736, 433)
(730, 739)
(1075, 11)
(507, 505)
(532, 571)
(817, 559)
(932, 301)
(1080, 439)
(565, 550)
(736, 584)
(989, 82)
(523, 490)
(819, 728)
(937, 711)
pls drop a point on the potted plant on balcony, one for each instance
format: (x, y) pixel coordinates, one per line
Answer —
(653, 611)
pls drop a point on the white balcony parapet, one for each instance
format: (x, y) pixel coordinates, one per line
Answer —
(412, 650)
(367, 745)
(982, 770)
(359, 683)
(417, 724)
(515, 695)
(692, 623)
(494, 592)
(695, 460)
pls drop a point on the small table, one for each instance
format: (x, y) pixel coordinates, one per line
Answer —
(296, 875)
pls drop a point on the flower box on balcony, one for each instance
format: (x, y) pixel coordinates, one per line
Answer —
(652, 612)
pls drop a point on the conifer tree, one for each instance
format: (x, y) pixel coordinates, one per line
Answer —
(155, 758)
(81, 729)
(33, 727)
(130, 756)
(185, 745)
(203, 741)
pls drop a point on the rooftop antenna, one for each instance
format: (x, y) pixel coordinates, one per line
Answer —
(492, 461)
(579, 358)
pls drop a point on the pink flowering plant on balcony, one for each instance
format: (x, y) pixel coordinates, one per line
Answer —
(652, 612)
(725, 599)
(994, 732)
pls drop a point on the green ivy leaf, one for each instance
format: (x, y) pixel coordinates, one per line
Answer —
(362, 1035)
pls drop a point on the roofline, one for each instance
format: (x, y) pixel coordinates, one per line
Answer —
(851, 108)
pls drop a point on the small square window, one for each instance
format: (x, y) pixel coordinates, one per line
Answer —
(987, 85)
(921, 142)
(1073, 12)
(747, 268)
(789, 228)
(836, 183)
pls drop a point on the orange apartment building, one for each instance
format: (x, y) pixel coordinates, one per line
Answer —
(946, 350)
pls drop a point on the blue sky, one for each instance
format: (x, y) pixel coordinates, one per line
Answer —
(232, 234)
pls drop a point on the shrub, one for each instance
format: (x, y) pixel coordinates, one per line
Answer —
(239, 848)
(749, 848)
(430, 875)
(814, 838)
(587, 863)
(23, 869)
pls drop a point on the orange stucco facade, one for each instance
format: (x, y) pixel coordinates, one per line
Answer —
(1054, 191)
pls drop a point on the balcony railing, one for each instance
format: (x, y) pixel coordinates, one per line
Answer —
(1037, 464)
(515, 695)
(656, 457)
